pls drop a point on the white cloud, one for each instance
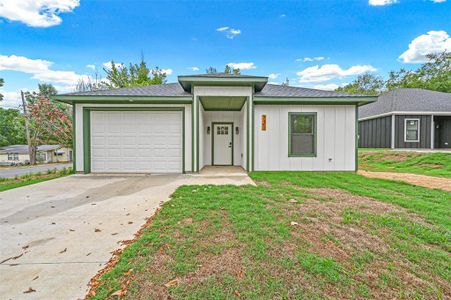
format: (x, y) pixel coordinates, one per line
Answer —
(242, 65)
(167, 71)
(432, 42)
(283, 15)
(36, 13)
(331, 71)
(40, 69)
(309, 59)
(329, 86)
(92, 67)
(11, 99)
(381, 2)
(229, 32)
(438, 1)
(273, 76)
(107, 65)
(194, 68)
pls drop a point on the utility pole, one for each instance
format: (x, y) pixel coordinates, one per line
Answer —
(30, 148)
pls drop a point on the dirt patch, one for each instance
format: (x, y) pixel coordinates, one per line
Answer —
(415, 179)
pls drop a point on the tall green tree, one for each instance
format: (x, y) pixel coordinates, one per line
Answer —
(227, 70)
(365, 84)
(12, 127)
(1, 84)
(137, 74)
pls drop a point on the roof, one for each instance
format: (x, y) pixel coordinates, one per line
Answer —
(23, 149)
(407, 100)
(224, 79)
(275, 90)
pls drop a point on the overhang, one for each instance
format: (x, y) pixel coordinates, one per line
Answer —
(71, 99)
(358, 100)
(257, 82)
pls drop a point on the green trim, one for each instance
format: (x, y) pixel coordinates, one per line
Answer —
(87, 129)
(192, 137)
(314, 114)
(213, 141)
(187, 82)
(74, 144)
(197, 130)
(123, 99)
(253, 137)
(86, 140)
(247, 134)
(356, 138)
(313, 100)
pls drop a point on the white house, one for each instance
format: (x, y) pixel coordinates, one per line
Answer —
(18, 154)
(214, 119)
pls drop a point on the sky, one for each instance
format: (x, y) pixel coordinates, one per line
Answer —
(319, 44)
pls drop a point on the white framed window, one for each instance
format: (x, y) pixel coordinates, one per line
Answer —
(13, 156)
(411, 130)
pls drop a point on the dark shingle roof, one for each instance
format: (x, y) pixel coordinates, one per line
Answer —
(274, 90)
(415, 100)
(223, 75)
(159, 90)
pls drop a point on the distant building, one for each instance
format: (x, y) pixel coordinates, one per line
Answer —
(18, 154)
(406, 118)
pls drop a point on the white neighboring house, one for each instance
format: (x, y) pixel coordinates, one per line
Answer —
(214, 119)
(18, 154)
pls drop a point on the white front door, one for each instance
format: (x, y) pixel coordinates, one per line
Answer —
(222, 144)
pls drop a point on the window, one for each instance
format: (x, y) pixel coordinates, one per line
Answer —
(13, 156)
(302, 134)
(411, 130)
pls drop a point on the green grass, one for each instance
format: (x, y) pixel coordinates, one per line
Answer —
(226, 242)
(12, 183)
(382, 160)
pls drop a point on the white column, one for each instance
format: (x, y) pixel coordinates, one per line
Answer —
(393, 126)
(432, 132)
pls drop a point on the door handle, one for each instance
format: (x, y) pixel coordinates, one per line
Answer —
(230, 145)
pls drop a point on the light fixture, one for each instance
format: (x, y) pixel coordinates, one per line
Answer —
(237, 130)
(208, 129)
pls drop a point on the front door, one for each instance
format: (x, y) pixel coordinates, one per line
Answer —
(222, 144)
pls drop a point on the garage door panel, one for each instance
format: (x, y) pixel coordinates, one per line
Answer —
(136, 141)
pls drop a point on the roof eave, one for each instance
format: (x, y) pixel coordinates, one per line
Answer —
(257, 82)
(71, 99)
(359, 100)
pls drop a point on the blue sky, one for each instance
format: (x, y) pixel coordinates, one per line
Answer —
(313, 43)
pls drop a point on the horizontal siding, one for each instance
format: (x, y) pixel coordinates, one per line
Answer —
(425, 132)
(335, 138)
(375, 133)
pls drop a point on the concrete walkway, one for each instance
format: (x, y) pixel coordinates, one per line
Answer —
(12, 172)
(56, 235)
(415, 179)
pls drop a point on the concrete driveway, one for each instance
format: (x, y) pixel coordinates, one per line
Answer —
(56, 235)
(12, 172)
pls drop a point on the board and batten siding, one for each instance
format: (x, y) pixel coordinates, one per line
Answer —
(375, 133)
(335, 140)
(425, 132)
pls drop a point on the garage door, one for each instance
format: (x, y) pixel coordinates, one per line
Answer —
(136, 142)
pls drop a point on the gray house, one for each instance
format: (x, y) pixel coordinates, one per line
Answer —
(406, 118)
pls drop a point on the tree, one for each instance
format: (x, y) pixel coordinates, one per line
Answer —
(12, 127)
(48, 124)
(227, 70)
(1, 84)
(211, 70)
(91, 85)
(137, 74)
(365, 84)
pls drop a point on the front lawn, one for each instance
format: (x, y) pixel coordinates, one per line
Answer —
(426, 163)
(12, 183)
(296, 235)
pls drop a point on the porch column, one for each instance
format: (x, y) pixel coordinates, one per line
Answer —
(250, 134)
(195, 133)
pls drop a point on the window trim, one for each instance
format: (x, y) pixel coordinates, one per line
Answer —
(315, 121)
(405, 130)
(14, 156)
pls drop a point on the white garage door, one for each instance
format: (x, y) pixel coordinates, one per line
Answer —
(136, 141)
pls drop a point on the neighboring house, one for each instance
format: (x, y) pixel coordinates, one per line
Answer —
(407, 118)
(214, 119)
(18, 154)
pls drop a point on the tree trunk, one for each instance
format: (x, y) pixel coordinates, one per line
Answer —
(33, 153)
(27, 130)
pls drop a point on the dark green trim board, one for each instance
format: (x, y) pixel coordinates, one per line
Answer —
(356, 138)
(86, 140)
(87, 129)
(314, 100)
(74, 144)
(314, 114)
(213, 140)
(123, 99)
(253, 138)
(247, 134)
(192, 137)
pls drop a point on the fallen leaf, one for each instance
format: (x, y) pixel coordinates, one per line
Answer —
(65, 249)
(30, 290)
(293, 201)
(71, 230)
(25, 247)
(97, 230)
(130, 222)
(88, 254)
(292, 223)
(173, 282)
(53, 206)
(237, 293)
(35, 278)
(53, 223)
(118, 293)
(114, 233)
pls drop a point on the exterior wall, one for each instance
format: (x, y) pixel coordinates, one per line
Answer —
(335, 141)
(425, 132)
(78, 150)
(222, 116)
(375, 133)
(23, 158)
